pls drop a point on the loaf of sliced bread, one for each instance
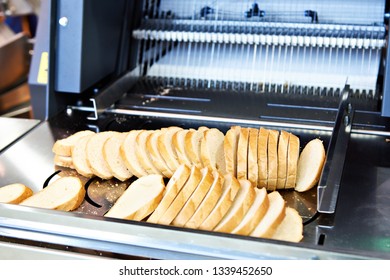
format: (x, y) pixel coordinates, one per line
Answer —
(253, 167)
(242, 154)
(293, 155)
(139, 199)
(272, 154)
(178, 142)
(14, 193)
(157, 159)
(63, 147)
(174, 185)
(192, 142)
(211, 150)
(129, 156)
(310, 164)
(282, 159)
(272, 218)
(262, 157)
(113, 158)
(230, 149)
(143, 154)
(165, 146)
(79, 157)
(65, 193)
(291, 228)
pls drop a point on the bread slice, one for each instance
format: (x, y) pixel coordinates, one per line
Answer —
(166, 148)
(182, 197)
(178, 142)
(192, 142)
(310, 164)
(139, 199)
(253, 167)
(240, 206)
(63, 147)
(230, 189)
(157, 159)
(291, 228)
(174, 185)
(262, 157)
(272, 155)
(208, 203)
(142, 153)
(211, 150)
(79, 157)
(195, 199)
(292, 161)
(64, 161)
(113, 158)
(65, 193)
(255, 213)
(242, 154)
(230, 149)
(128, 154)
(282, 159)
(273, 217)
(14, 193)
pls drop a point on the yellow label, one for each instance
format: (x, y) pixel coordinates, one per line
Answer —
(43, 72)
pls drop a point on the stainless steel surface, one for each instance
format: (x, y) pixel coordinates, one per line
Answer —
(12, 129)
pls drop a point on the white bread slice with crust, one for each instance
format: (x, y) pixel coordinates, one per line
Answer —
(142, 153)
(272, 155)
(79, 157)
(293, 155)
(310, 164)
(262, 157)
(192, 142)
(178, 142)
(64, 161)
(113, 158)
(240, 206)
(65, 194)
(208, 203)
(230, 149)
(63, 147)
(195, 199)
(282, 159)
(229, 191)
(165, 146)
(255, 213)
(139, 199)
(174, 185)
(291, 228)
(253, 167)
(242, 154)
(211, 150)
(14, 193)
(182, 197)
(273, 217)
(95, 157)
(155, 155)
(129, 157)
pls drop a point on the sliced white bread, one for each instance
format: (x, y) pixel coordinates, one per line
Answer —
(272, 218)
(65, 194)
(208, 203)
(282, 159)
(14, 193)
(182, 197)
(142, 196)
(242, 154)
(211, 150)
(229, 190)
(178, 142)
(253, 167)
(128, 154)
(255, 213)
(262, 157)
(230, 149)
(174, 185)
(192, 142)
(292, 166)
(155, 155)
(165, 146)
(79, 157)
(310, 164)
(272, 155)
(113, 158)
(64, 161)
(143, 154)
(291, 228)
(195, 199)
(240, 206)
(63, 147)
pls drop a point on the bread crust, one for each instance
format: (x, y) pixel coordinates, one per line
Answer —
(14, 193)
(155, 155)
(79, 157)
(282, 159)
(242, 154)
(166, 148)
(178, 142)
(291, 227)
(293, 155)
(253, 167)
(272, 155)
(192, 142)
(211, 149)
(129, 157)
(262, 157)
(143, 154)
(230, 149)
(64, 161)
(63, 147)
